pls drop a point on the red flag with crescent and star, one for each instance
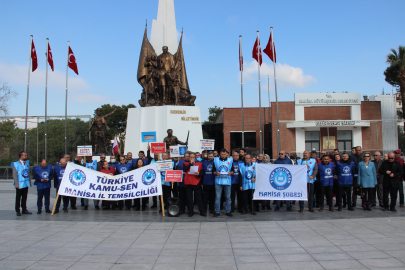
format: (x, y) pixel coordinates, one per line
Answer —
(257, 51)
(72, 62)
(34, 57)
(270, 48)
(50, 59)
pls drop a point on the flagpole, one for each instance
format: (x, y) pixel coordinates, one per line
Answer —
(268, 90)
(260, 101)
(241, 91)
(275, 85)
(46, 93)
(67, 69)
(28, 95)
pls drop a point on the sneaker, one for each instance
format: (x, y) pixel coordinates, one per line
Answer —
(277, 208)
(229, 214)
(39, 212)
(289, 208)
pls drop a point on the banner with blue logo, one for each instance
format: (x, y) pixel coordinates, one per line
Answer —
(81, 182)
(281, 182)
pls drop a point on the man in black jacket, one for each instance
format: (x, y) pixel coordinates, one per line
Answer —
(391, 169)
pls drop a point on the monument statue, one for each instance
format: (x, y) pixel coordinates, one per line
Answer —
(99, 125)
(172, 140)
(163, 77)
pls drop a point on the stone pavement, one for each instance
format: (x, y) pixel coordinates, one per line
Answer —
(145, 240)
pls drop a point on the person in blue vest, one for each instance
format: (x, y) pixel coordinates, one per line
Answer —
(283, 159)
(181, 188)
(235, 190)
(43, 175)
(345, 170)
(326, 178)
(92, 165)
(166, 186)
(247, 177)
(312, 170)
(121, 168)
(208, 183)
(223, 170)
(141, 155)
(59, 170)
(21, 182)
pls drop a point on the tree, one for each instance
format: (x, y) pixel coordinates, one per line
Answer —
(6, 94)
(395, 73)
(214, 113)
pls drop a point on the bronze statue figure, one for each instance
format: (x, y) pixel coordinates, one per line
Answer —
(99, 125)
(163, 77)
(172, 140)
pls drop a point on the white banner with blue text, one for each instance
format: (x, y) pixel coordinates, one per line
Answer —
(81, 182)
(281, 182)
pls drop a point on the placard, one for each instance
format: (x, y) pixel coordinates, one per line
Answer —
(149, 136)
(331, 142)
(178, 150)
(164, 165)
(173, 176)
(157, 148)
(207, 144)
(84, 150)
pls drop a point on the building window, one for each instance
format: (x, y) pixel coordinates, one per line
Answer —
(312, 140)
(344, 138)
(236, 139)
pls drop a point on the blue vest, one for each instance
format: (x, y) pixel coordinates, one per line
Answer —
(326, 174)
(163, 176)
(122, 168)
(345, 173)
(209, 177)
(235, 176)
(248, 171)
(92, 166)
(59, 171)
(41, 173)
(23, 174)
(310, 167)
(223, 166)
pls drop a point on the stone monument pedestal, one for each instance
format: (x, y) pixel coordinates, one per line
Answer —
(180, 119)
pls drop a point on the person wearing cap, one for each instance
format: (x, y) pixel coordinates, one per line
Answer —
(401, 181)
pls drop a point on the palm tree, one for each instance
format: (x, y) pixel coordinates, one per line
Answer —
(395, 73)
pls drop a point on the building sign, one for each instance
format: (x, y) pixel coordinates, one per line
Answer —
(330, 142)
(335, 123)
(321, 99)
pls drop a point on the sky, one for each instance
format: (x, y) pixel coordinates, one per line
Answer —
(321, 46)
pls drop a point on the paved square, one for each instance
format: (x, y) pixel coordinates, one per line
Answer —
(97, 239)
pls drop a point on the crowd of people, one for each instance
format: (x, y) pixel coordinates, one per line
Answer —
(227, 181)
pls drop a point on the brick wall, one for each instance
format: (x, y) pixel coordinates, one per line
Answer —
(371, 110)
(287, 136)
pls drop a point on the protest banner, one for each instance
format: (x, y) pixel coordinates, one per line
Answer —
(163, 166)
(281, 182)
(84, 150)
(157, 148)
(178, 150)
(174, 175)
(82, 182)
(207, 144)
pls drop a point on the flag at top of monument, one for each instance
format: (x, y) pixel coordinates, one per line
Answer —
(72, 61)
(269, 49)
(257, 51)
(50, 59)
(34, 57)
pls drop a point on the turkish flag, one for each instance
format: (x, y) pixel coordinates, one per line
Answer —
(72, 61)
(50, 59)
(116, 146)
(34, 57)
(240, 56)
(257, 52)
(269, 49)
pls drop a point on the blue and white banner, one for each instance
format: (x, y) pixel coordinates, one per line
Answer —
(281, 182)
(81, 182)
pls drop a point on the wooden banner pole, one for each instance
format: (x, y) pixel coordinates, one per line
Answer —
(162, 205)
(54, 205)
